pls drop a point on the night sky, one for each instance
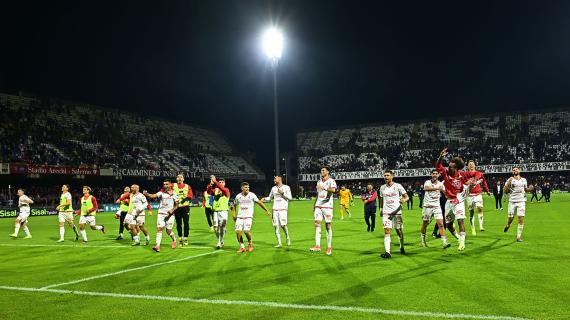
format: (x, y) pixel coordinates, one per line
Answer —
(345, 62)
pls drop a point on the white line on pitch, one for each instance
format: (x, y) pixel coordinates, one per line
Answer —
(270, 304)
(83, 246)
(129, 270)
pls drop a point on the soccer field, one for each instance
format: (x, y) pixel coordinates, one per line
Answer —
(494, 278)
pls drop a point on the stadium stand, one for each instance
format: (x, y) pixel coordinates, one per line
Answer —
(488, 139)
(53, 132)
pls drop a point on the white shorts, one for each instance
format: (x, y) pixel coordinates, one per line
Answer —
(161, 222)
(65, 216)
(279, 218)
(454, 211)
(474, 201)
(429, 213)
(140, 220)
(516, 207)
(389, 220)
(326, 213)
(130, 219)
(243, 223)
(220, 216)
(90, 220)
(24, 214)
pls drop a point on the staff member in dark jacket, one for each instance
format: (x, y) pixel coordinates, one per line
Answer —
(369, 199)
(498, 194)
(545, 192)
(410, 192)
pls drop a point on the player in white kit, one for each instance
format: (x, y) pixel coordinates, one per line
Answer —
(517, 187)
(136, 216)
(432, 208)
(281, 195)
(323, 209)
(244, 218)
(392, 196)
(22, 219)
(165, 217)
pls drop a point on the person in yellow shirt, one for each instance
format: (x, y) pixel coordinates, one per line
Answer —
(345, 197)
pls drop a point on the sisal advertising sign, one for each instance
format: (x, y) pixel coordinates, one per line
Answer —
(12, 213)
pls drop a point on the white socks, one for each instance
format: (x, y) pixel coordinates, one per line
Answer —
(16, 228)
(27, 231)
(480, 215)
(98, 227)
(462, 237)
(443, 240)
(286, 231)
(61, 232)
(318, 236)
(172, 236)
(158, 238)
(278, 235)
(83, 234)
(520, 230)
(329, 237)
(387, 241)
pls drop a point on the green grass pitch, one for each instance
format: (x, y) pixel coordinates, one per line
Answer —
(494, 278)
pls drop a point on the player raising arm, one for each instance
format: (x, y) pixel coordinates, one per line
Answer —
(454, 182)
(22, 219)
(517, 187)
(244, 217)
(474, 198)
(221, 194)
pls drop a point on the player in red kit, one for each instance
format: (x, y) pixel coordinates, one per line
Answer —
(475, 197)
(455, 191)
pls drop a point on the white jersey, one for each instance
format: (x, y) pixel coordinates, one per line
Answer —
(391, 198)
(167, 201)
(280, 201)
(23, 201)
(139, 204)
(324, 199)
(431, 198)
(246, 204)
(517, 190)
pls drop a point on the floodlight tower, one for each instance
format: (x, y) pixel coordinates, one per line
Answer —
(273, 47)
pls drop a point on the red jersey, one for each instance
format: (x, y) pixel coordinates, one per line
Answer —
(453, 184)
(476, 190)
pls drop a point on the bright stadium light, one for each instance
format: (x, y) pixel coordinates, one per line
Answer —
(272, 43)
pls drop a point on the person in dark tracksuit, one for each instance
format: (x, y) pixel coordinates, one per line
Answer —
(498, 194)
(421, 193)
(545, 192)
(410, 192)
(534, 193)
(369, 199)
(207, 204)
